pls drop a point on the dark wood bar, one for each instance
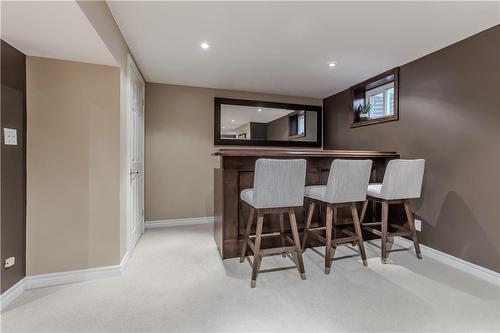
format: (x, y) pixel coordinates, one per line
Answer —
(236, 174)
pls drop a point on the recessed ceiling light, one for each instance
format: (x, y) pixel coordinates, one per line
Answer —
(332, 64)
(260, 110)
(223, 127)
(204, 45)
(232, 120)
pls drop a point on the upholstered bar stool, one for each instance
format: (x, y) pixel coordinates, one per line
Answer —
(278, 189)
(346, 186)
(402, 182)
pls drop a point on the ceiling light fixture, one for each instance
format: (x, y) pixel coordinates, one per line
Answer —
(332, 64)
(260, 110)
(204, 45)
(232, 120)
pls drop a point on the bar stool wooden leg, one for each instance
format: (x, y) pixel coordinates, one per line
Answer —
(411, 223)
(310, 213)
(296, 240)
(357, 227)
(328, 240)
(383, 241)
(282, 233)
(256, 255)
(334, 230)
(247, 235)
(363, 211)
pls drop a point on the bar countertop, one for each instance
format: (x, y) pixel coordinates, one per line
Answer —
(305, 153)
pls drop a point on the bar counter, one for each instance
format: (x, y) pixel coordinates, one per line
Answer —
(236, 174)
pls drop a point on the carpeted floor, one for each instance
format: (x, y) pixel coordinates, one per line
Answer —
(175, 281)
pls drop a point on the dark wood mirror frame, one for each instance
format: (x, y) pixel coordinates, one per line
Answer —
(358, 93)
(218, 141)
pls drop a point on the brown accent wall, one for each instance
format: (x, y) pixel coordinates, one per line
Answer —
(73, 164)
(13, 166)
(179, 142)
(449, 107)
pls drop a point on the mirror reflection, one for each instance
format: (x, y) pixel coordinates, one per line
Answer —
(263, 123)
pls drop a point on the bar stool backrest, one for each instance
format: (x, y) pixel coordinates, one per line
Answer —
(403, 179)
(348, 181)
(279, 183)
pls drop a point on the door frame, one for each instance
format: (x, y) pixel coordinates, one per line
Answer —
(131, 66)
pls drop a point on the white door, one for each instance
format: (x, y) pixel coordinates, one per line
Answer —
(135, 154)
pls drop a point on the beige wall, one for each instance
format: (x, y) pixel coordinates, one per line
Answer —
(103, 22)
(73, 158)
(179, 144)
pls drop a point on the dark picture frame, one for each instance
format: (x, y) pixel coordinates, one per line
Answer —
(219, 141)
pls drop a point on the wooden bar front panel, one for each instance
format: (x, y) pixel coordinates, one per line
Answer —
(236, 174)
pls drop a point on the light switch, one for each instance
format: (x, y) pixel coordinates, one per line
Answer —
(9, 262)
(10, 136)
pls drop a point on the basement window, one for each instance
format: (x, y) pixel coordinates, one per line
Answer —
(376, 100)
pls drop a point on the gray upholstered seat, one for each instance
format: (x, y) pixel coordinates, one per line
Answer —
(347, 182)
(374, 190)
(277, 183)
(247, 196)
(315, 192)
(278, 189)
(346, 185)
(402, 180)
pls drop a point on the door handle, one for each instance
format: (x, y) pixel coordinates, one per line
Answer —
(134, 172)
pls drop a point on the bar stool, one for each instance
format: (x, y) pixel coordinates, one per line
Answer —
(278, 189)
(346, 185)
(402, 182)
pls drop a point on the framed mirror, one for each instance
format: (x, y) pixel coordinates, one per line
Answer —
(259, 123)
(376, 100)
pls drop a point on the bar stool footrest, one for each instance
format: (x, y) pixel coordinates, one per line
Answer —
(277, 250)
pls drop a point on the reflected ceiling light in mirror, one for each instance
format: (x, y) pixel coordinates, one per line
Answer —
(204, 45)
(332, 64)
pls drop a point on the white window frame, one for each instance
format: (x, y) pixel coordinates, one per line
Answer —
(378, 90)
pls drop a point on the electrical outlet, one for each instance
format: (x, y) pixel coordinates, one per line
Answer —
(418, 225)
(9, 262)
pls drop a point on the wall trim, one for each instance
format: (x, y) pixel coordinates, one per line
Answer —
(60, 278)
(460, 264)
(80, 275)
(53, 279)
(12, 293)
(178, 222)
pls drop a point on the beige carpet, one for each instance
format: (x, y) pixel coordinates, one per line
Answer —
(176, 282)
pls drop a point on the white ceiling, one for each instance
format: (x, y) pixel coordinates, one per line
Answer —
(245, 114)
(57, 30)
(284, 47)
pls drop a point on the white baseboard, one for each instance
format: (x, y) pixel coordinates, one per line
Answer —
(54, 279)
(60, 278)
(12, 293)
(465, 266)
(177, 222)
